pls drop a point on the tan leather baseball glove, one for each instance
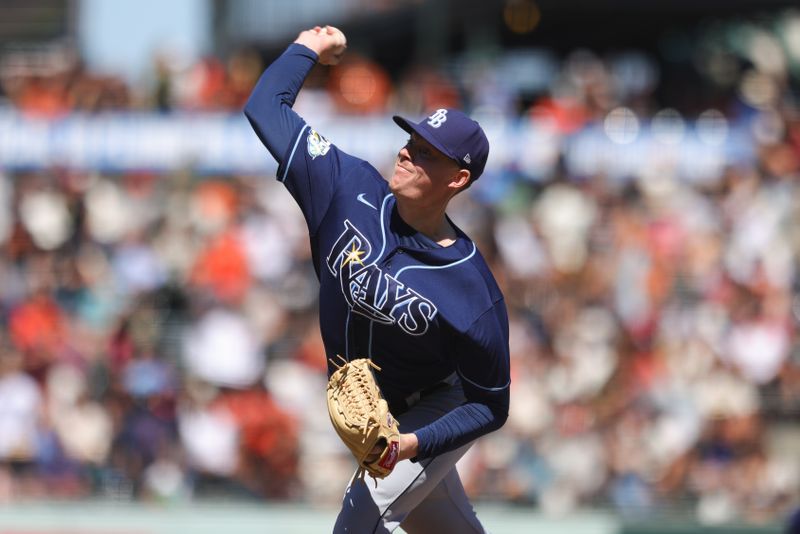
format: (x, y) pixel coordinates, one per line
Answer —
(361, 417)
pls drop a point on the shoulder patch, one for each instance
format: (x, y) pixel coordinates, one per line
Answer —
(317, 145)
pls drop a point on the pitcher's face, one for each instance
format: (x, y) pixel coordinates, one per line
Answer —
(422, 171)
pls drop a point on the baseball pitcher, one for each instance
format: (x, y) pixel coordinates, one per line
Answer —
(414, 325)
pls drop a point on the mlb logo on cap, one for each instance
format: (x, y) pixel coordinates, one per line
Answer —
(455, 135)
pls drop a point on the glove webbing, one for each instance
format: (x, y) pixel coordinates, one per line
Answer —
(357, 402)
(357, 396)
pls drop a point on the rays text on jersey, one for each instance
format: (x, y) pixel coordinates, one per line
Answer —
(371, 292)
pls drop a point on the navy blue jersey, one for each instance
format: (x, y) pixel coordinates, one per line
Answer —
(420, 311)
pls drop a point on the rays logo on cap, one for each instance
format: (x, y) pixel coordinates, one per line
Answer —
(438, 118)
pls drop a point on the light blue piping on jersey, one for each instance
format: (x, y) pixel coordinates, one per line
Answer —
(347, 334)
(462, 260)
(291, 156)
(501, 388)
(378, 257)
(369, 347)
(383, 229)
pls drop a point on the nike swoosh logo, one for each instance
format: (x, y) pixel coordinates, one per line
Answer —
(363, 200)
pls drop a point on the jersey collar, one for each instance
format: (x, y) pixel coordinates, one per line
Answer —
(423, 247)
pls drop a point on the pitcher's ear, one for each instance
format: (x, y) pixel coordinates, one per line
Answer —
(461, 179)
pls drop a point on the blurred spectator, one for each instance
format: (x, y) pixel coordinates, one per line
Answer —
(268, 443)
(22, 407)
(221, 349)
(358, 85)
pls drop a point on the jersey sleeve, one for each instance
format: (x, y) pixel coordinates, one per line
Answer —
(311, 170)
(483, 366)
(269, 107)
(483, 358)
(308, 164)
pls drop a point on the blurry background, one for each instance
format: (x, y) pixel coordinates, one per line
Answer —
(159, 345)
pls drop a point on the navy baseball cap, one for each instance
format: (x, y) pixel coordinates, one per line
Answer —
(455, 135)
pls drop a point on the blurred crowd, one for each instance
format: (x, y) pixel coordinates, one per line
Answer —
(159, 333)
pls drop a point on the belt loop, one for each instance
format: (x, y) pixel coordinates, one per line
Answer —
(412, 399)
